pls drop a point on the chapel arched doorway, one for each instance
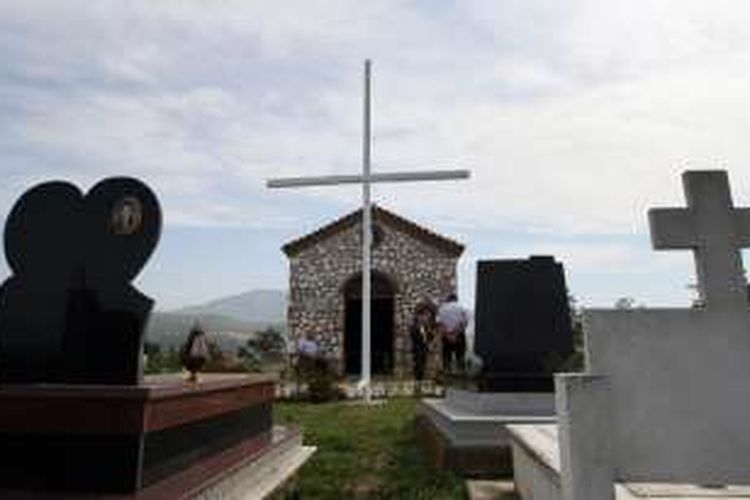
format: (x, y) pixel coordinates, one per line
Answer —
(382, 325)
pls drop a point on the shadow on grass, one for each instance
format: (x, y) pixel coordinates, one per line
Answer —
(366, 452)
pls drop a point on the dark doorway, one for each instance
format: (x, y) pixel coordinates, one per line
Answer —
(381, 330)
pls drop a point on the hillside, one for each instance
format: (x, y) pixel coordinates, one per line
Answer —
(171, 329)
(257, 306)
(228, 320)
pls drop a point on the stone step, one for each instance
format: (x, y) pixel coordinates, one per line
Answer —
(261, 476)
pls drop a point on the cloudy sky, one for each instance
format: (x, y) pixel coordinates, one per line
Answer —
(574, 117)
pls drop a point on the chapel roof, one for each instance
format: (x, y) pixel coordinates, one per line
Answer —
(383, 216)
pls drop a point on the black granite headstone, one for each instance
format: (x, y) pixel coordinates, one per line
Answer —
(69, 314)
(523, 327)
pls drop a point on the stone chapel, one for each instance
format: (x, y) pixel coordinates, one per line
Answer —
(410, 264)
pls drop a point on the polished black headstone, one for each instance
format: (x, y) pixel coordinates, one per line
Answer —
(522, 323)
(68, 313)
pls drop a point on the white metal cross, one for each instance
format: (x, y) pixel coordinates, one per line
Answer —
(366, 179)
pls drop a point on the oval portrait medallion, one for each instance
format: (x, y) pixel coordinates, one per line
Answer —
(127, 216)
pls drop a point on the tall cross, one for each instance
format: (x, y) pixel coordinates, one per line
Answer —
(366, 179)
(715, 230)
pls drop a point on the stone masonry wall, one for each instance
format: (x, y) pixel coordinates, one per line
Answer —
(318, 274)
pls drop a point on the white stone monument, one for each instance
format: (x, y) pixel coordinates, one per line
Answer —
(666, 396)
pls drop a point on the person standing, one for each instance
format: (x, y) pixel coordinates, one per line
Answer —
(307, 354)
(194, 353)
(421, 333)
(452, 320)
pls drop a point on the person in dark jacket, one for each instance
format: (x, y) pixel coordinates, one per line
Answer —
(194, 352)
(421, 332)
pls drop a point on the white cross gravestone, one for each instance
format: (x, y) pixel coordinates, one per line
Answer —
(366, 180)
(715, 231)
(666, 396)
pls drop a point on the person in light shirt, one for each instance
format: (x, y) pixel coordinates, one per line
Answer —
(307, 355)
(452, 320)
(306, 346)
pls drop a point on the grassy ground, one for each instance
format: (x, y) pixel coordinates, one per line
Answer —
(366, 452)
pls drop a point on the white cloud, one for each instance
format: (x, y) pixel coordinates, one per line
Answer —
(573, 116)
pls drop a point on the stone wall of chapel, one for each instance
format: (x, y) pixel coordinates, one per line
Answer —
(318, 273)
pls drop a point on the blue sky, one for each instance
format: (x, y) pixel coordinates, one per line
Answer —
(575, 117)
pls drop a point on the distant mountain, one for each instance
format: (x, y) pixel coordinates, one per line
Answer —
(257, 306)
(230, 321)
(171, 329)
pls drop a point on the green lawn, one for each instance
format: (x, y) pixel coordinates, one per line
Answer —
(365, 452)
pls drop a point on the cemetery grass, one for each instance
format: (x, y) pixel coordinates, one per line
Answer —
(365, 452)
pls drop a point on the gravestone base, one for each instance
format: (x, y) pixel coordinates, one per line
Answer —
(504, 382)
(165, 438)
(478, 460)
(465, 432)
(536, 464)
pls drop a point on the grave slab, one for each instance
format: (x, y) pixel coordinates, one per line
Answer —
(77, 418)
(536, 461)
(664, 401)
(465, 431)
(523, 332)
(490, 490)
(130, 440)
